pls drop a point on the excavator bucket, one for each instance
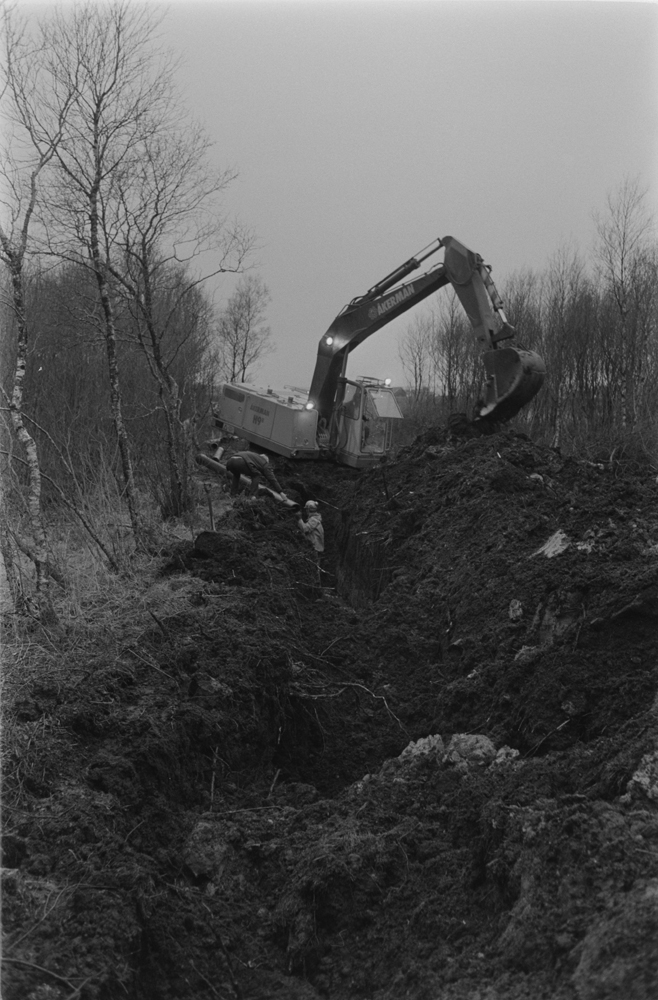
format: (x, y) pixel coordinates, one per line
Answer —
(514, 377)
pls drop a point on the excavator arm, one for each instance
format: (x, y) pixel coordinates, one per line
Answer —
(513, 376)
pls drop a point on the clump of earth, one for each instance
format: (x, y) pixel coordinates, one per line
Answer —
(429, 771)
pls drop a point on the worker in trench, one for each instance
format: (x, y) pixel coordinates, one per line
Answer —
(313, 531)
(256, 467)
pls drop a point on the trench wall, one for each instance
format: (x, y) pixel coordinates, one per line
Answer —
(361, 566)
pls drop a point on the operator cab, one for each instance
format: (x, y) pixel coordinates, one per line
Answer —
(361, 429)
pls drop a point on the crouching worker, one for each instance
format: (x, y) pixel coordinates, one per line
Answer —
(313, 531)
(255, 467)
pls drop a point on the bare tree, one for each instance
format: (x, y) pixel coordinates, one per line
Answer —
(242, 337)
(132, 199)
(439, 359)
(455, 361)
(415, 353)
(136, 200)
(27, 152)
(103, 54)
(166, 218)
(623, 234)
(555, 305)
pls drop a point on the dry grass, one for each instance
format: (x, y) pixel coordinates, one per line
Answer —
(98, 614)
(91, 588)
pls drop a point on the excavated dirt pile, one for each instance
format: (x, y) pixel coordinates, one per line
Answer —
(433, 777)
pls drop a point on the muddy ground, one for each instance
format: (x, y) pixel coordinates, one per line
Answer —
(433, 777)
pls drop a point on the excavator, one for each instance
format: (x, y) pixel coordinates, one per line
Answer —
(351, 420)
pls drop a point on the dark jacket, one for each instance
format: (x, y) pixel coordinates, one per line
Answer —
(259, 466)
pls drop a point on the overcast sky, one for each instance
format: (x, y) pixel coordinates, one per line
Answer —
(362, 131)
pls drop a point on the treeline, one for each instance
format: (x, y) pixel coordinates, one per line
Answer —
(67, 405)
(595, 323)
(112, 222)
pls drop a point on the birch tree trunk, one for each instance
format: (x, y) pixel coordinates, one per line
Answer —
(23, 435)
(22, 176)
(110, 332)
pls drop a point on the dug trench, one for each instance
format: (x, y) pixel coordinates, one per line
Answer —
(430, 772)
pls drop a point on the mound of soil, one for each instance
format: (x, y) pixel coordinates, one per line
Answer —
(430, 772)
